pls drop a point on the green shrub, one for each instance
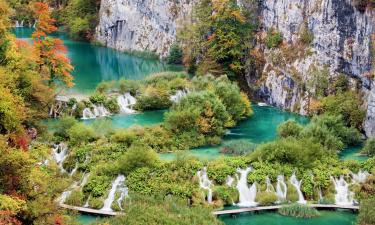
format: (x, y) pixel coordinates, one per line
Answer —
(369, 148)
(299, 210)
(111, 105)
(97, 186)
(98, 98)
(306, 36)
(153, 98)
(80, 133)
(366, 214)
(292, 194)
(226, 194)
(273, 39)
(62, 127)
(138, 156)
(289, 128)
(96, 203)
(237, 147)
(130, 86)
(75, 198)
(266, 198)
(175, 55)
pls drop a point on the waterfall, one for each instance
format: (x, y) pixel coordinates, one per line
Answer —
(229, 181)
(98, 111)
(124, 193)
(111, 195)
(18, 24)
(126, 103)
(270, 187)
(360, 177)
(178, 96)
(281, 188)
(205, 183)
(247, 195)
(59, 154)
(74, 169)
(343, 196)
(297, 184)
(66, 193)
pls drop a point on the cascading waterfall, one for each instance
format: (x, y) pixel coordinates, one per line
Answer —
(281, 188)
(124, 192)
(246, 195)
(297, 185)
(229, 181)
(98, 111)
(111, 195)
(59, 154)
(270, 187)
(74, 186)
(343, 195)
(205, 183)
(178, 96)
(18, 24)
(126, 103)
(74, 169)
(360, 177)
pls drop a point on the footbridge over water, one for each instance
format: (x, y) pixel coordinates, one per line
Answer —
(217, 213)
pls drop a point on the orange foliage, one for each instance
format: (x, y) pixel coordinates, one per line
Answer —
(52, 61)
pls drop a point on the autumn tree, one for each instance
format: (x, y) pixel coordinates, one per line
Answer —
(52, 60)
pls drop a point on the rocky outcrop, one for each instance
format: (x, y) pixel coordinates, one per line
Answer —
(341, 44)
(141, 25)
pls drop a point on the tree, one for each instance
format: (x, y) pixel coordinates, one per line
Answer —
(175, 55)
(369, 148)
(218, 37)
(52, 60)
(289, 128)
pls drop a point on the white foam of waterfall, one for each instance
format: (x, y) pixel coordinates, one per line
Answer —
(178, 96)
(297, 185)
(269, 187)
(205, 183)
(59, 154)
(97, 111)
(66, 193)
(18, 24)
(343, 195)
(281, 188)
(87, 202)
(229, 181)
(126, 103)
(74, 169)
(111, 195)
(124, 192)
(359, 177)
(246, 195)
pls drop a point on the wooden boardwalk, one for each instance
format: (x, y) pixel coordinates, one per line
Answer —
(275, 207)
(90, 211)
(217, 213)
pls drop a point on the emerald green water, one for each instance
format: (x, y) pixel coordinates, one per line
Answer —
(261, 127)
(94, 64)
(352, 152)
(271, 218)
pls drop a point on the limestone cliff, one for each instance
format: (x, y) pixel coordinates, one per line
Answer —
(140, 25)
(341, 43)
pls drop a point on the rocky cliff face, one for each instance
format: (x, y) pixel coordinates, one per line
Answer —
(140, 25)
(342, 43)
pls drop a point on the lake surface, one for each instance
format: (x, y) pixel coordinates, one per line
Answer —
(94, 64)
(271, 218)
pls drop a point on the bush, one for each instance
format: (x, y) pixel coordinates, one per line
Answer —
(153, 98)
(80, 133)
(154, 210)
(369, 148)
(266, 198)
(138, 156)
(237, 147)
(111, 105)
(130, 86)
(299, 210)
(306, 36)
(273, 39)
(228, 195)
(62, 127)
(97, 186)
(366, 214)
(289, 128)
(175, 55)
(75, 198)
(98, 98)
(96, 203)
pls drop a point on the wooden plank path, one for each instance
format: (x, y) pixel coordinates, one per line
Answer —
(90, 211)
(275, 207)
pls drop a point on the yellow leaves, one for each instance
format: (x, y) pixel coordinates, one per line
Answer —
(221, 8)
(11, 204)
(237, 14)
(248, 111)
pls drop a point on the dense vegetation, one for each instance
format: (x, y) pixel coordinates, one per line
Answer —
(29, 73)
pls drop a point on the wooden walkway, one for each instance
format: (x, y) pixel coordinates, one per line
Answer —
(275, 207)
(217, 213)
(90, 211)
